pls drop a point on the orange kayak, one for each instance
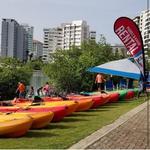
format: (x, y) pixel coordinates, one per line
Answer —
(84, 104)
(13, 127)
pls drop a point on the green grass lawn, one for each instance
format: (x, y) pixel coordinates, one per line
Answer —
(71, 129)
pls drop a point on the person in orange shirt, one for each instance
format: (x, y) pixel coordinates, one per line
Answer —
(21, 90)
(100, 82)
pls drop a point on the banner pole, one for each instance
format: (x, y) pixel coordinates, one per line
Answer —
(145, 89)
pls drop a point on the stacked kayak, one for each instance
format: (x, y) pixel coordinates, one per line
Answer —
(59, 108)
(125, 94)
(122, 94)
(12, 126)
(114, 97)
(49, 99)
(23, 101)
(89, 93)
(97, 100)
(85, 102)
(39, 120)
(71, 106)
(129, 95)
(100, 99)
(84, 105)
(136, 90)
(59, 112)
(106, 98)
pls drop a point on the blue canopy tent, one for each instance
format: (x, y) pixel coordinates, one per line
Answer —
(123, 68)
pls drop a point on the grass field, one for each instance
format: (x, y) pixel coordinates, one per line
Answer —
(71, 129)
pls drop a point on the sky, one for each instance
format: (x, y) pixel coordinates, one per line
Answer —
(99, 14)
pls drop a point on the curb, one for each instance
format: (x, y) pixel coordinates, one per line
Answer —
(91, 139)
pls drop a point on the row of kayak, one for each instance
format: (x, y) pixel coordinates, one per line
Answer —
(16, 120)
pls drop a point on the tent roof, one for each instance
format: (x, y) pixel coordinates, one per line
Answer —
(123, 68)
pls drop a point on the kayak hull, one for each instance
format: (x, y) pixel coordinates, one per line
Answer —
(12, 127)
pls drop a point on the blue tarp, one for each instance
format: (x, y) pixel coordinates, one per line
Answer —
(123, 68)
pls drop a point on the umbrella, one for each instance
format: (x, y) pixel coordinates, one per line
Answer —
(123, 68)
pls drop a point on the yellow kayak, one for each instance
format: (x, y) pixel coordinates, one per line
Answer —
(13, 127)
(84, 104)
(71, 105)
(39, 119)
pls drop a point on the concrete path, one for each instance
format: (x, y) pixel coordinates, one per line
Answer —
(130, 131)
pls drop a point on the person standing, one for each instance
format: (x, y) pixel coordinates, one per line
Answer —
(39, 91)
(21, 90)
(46, 89)
(31, 92)
(100, 82)
(130, 83)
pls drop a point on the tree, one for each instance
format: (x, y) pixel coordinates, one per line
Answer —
(36, 64)
(68, 68)
(11, 72)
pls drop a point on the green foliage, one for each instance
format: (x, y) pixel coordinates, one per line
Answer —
(35, 64)
(11, 72)
(68, 68)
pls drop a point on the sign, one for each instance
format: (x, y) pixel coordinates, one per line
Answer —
(129, 34)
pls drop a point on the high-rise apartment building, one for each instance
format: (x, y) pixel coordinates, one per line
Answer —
(143, 22)
(9, 38)
(52, 41)
(120, 49)
(37, 49)
(92, 35)
(137, 20)
(13, 40)
(74, 33)
(65, 36)
(29, 30)
(145, 27)
(22, 44)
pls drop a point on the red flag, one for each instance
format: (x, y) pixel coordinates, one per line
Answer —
(129, 34)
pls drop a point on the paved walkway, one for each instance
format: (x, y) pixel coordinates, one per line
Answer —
(130, 131)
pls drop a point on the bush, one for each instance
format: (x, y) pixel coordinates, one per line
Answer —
(11, 72)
